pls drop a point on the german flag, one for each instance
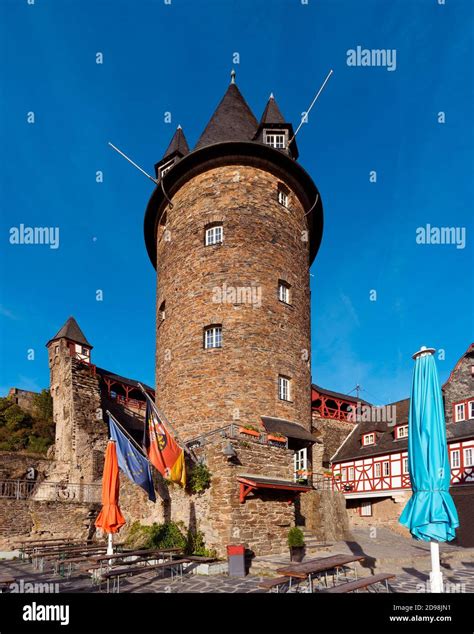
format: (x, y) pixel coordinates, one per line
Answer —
(163, 451)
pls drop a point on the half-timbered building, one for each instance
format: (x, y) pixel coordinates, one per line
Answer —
(371, 465)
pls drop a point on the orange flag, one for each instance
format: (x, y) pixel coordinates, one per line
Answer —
(110, 519)
(163, 451)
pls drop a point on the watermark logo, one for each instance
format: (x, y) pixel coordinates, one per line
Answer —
(441, 235)
(35, 235)
(369, 413)
(28, 587)
(448, 587)
(385, 57)
(237, 295)
(40, 612)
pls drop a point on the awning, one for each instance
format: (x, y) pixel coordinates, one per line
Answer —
(288, 429)
(252, 482)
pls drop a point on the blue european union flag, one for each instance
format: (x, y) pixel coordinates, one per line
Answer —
(132, 462)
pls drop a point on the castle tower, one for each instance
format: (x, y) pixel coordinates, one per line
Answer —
(76, 405)
(232, 230)
(232, 256)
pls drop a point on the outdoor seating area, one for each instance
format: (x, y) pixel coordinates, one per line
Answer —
(72, 559)
(324, 574)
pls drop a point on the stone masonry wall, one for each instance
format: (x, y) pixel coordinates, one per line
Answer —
(80, 430)
(385, 512)
(201, 390)
(460, 385)
(261, 523)
(30, 519)
(15, 466)
(333, 433)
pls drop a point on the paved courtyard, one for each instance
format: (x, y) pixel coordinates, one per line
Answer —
(384, 551)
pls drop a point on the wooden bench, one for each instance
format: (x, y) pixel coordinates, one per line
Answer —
(5, 583)
(365, 582)
(275, 584)
(115, 575)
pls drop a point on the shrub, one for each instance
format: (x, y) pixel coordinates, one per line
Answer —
(196, 545)
(199, 478)
(295, 537)
(167, 535)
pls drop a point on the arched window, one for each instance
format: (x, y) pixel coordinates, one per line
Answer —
(213, 336)
(213, 234)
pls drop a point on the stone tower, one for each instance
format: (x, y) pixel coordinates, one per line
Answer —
(74, 387)
(232, 230)
(232, 253)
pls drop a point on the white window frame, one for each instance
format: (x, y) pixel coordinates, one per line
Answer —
(455, 458)
(300, 462)
(457, 418)
(214, 235)
(284, 292)
(283, 198)
(166, 167)
(469, 456)
(212, 337)
(366, 509)
(470, 408)
(402, 432)
(405, 469)
(386, 468)
(284, 388)
(377, 470)
(368, 439)
(276, 139)
(351, 474)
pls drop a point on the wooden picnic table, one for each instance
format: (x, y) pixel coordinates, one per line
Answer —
(39, 557)
(141, 555)
(316, 567)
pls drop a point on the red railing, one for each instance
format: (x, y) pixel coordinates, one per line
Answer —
(336, 414)
(129, 402)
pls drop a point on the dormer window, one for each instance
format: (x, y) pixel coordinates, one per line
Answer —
(276, 138)
(166, 168)
(368, 439)
(459, 412)
(401, 432)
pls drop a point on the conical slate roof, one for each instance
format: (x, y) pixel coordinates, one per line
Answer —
(177, 144)
(232, 120)
(272, 113)
(71, 331)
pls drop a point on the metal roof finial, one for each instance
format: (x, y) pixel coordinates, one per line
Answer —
(232, 76)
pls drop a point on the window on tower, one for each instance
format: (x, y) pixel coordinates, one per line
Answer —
(283, 292)
(214, 234)
(276, 139)
(166, 168)
(161, 311)
(284, 388)
(213, 337)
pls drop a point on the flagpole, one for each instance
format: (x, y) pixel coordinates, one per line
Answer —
(166, 423)
(127, 434)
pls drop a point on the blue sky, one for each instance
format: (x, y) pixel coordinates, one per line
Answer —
(177, 58)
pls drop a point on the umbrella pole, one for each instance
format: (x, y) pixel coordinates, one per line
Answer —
(436, 577)
(110, 545)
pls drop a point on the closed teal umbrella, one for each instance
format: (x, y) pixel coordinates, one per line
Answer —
(429, 514)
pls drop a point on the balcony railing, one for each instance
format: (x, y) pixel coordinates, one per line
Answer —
(334, 413)
(129, 402)
(50, 491)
